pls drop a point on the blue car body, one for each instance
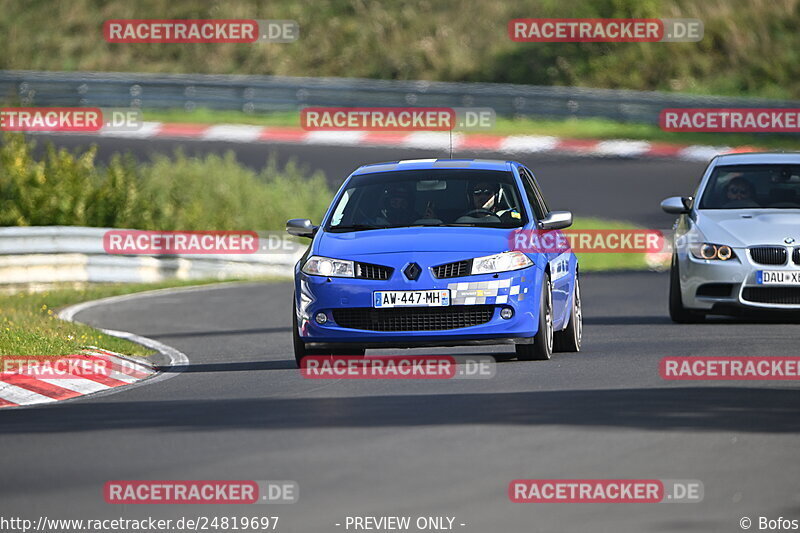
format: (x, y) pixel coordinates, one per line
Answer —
(428, 247)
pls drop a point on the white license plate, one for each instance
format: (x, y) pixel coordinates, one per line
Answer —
(778, 277)
(438, 298)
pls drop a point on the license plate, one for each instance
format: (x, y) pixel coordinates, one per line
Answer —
(778, 277)
(385, 299)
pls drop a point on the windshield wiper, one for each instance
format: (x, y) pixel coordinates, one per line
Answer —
(356, 227)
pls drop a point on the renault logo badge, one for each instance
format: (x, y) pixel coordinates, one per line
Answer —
(412, 271)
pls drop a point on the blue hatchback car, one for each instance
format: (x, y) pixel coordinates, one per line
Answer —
(419, 253)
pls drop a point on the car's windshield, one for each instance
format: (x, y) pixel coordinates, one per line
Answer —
(753, 186)
(433, 197)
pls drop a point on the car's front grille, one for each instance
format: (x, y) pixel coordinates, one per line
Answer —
(452, 270)
(796, 256)
(413, 318)
(368, 271)
(772, 295)
(768, 255)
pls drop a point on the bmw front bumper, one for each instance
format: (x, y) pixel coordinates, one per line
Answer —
(724, 286)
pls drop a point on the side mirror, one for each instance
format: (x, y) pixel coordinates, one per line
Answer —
(301, 227)
(677, 205)
(556, 220)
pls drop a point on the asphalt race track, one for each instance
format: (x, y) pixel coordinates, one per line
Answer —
(429, 448)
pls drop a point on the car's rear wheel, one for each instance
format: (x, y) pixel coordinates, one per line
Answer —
(542, 346)
(569, 339)
(677, 312)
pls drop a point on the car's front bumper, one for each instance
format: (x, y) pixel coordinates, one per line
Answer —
(740, 275)
(517, 290)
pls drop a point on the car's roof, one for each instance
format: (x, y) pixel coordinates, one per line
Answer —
(424, 164)
(759, 158)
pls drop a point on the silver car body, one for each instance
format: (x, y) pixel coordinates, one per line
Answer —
(748, 232)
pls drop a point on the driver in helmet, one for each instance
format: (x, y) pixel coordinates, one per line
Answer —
(484, 196)
(398, 203)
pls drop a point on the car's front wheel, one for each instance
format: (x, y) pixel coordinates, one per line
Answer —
(542, 346)
(300, 350)
(297, 343)
(677, 312)
(570, 338)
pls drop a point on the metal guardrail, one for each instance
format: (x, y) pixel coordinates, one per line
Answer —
(49, 254)
(257, 94)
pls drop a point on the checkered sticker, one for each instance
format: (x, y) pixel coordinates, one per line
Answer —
(491, 292)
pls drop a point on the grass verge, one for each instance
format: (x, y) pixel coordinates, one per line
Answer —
(596, 262)
(29, 325)
(573, 128)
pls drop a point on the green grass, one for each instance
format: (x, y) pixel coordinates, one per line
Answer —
(574, 128)
(596, 262)
(29, 325)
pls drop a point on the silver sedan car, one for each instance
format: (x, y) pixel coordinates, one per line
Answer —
(737, 241)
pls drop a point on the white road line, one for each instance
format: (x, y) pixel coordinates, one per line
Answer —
(233, 132)
(622, 148)
(702, 153)
(148, 129)
(528, 143)
(433, 140)
(18, 395)
(79, 385)
(346, 138)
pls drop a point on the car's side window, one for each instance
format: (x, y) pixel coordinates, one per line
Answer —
(539, 194)
(530, 192)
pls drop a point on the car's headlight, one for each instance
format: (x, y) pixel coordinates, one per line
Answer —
(712, 252)
(500, 262)
(325, 266)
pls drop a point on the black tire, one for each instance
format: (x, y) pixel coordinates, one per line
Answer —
(569, 339)
(677, 312)
(297, 343)
(300, 350)
(541, 349)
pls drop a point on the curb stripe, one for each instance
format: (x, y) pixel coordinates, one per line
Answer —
(423, 140)
(26, 389)
(41, 387)
(81, 386)
(20, 396)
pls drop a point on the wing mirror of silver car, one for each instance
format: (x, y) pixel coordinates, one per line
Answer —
(677, 205)
(301, 227)
(556, 220)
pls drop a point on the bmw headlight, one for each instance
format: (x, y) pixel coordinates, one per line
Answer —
(325, 266)
(712, 252)
(500, 263)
